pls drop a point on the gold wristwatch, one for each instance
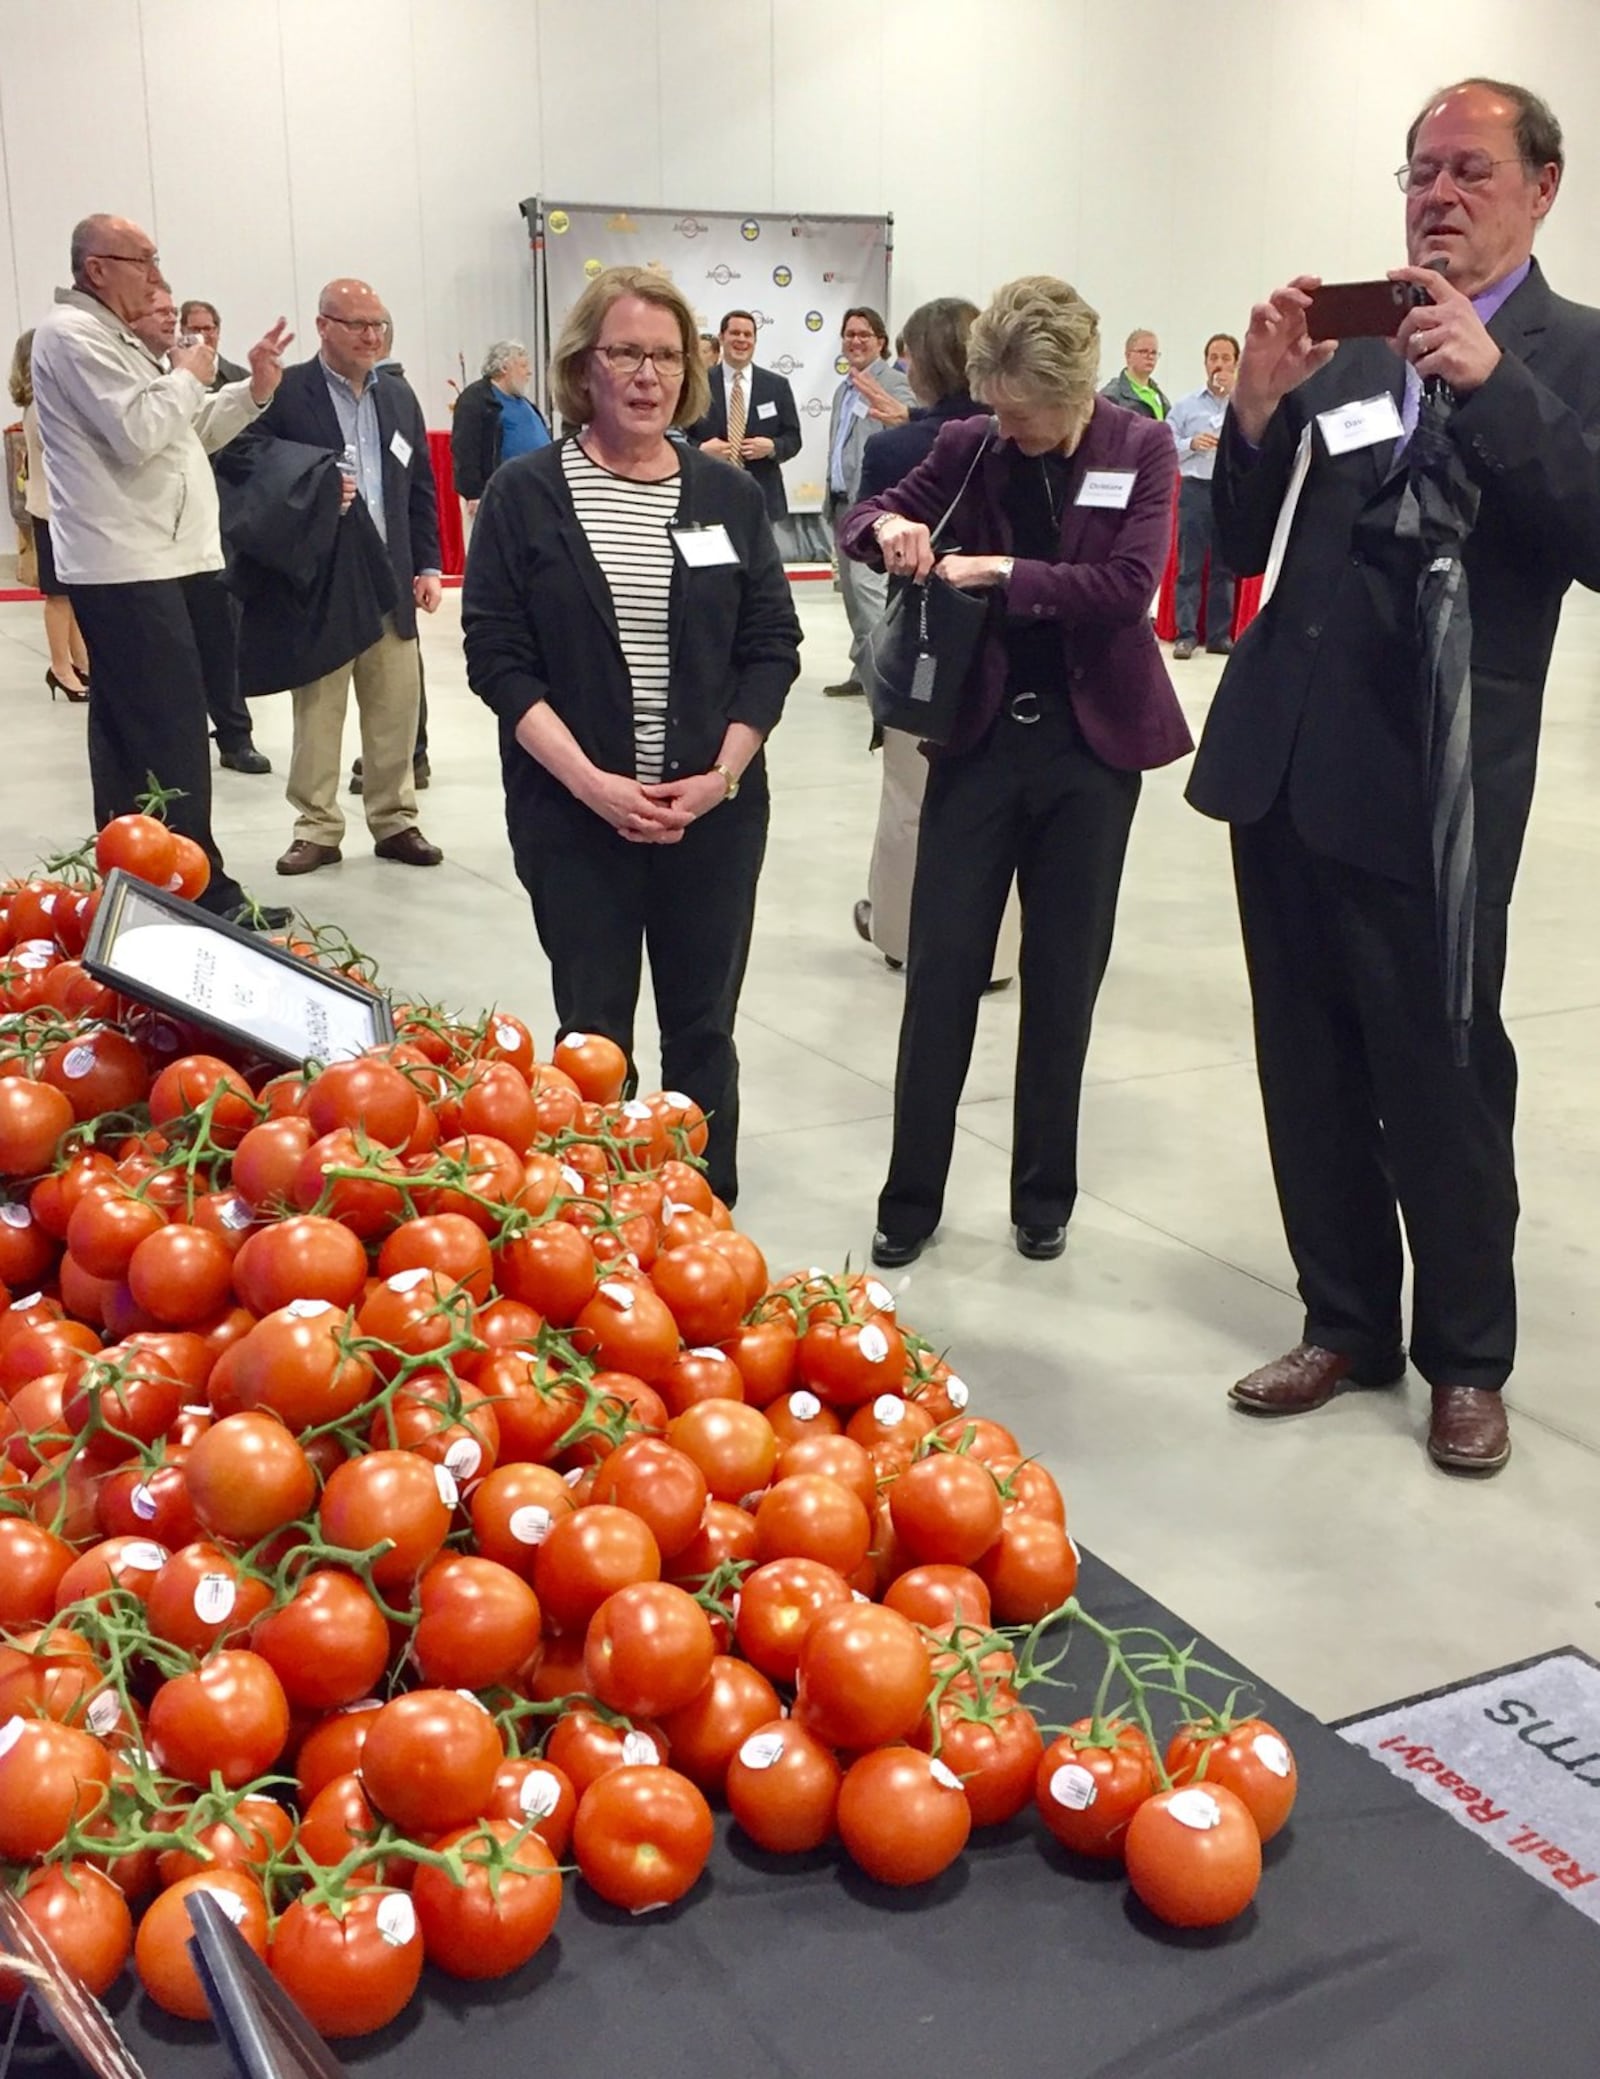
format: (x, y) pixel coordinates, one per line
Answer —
(730, 779)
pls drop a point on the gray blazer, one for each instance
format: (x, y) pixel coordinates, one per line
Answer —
(860, 433)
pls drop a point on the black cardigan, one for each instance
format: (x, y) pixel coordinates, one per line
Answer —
(537, 623)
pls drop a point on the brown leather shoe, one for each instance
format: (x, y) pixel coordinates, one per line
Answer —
(1308, 1377)
(1467, 1432)
(410, 847)
(303, 856)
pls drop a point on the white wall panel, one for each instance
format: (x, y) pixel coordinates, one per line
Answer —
(1174, 161)
(222, 200)
(72, 101)
(355, 182)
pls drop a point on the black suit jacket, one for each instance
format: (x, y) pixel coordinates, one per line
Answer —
(893, 452)
(303, 411)
(1321, 696)
(780, 425)
(538, 622)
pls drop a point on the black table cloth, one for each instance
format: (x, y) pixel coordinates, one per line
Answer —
(1385, 1940)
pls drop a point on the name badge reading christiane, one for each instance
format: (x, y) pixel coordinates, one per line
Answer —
(704, 548)
(1109, 489)
(1362, 425)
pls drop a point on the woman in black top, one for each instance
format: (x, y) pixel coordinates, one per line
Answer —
(627, 617)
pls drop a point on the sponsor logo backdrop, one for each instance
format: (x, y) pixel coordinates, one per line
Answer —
(797, 274)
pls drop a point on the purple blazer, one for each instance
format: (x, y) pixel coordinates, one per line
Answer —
(1100, 591)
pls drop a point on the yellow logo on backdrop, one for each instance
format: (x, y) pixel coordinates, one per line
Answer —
(593, 267)
(621, 222)
(559, 221)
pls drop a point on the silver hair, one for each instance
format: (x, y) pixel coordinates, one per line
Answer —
(501, 355)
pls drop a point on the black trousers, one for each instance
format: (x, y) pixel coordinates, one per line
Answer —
(1197, 539)
(1035, 802)
(215, 614)
(600, 902)
(148, 712)
(1369, 1120)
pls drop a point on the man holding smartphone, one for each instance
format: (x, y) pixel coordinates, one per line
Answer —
(1314, 754)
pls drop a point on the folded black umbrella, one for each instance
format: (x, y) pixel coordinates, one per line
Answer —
(1438, 507)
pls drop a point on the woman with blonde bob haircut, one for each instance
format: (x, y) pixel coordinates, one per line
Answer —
(1063, 510)
(627, 617)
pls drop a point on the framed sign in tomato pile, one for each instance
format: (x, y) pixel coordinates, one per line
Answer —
(430, 1530)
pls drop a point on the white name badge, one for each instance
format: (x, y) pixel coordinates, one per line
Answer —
(704, 548)
(400, 448)
(1363, 425)
(766, 411)
(1110, 489)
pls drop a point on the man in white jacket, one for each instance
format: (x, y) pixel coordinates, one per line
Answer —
(134, 520)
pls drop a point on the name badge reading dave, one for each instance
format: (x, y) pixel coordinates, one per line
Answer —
(1109, 489)
(1362, 425)
(705, 548)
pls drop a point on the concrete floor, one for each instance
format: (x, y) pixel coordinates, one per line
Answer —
(1326, 1553)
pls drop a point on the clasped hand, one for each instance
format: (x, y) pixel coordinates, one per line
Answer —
(658, 814)
(907, 550)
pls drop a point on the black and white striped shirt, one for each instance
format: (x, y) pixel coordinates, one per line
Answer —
(626, 524)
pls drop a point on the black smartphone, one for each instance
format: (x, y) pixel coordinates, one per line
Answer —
(1361, 310)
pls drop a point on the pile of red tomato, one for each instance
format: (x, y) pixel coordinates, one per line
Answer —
(411, 1479)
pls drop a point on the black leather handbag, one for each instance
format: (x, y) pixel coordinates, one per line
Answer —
(921, 654)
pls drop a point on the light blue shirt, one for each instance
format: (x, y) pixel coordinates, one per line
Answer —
(358, 422)
(1203, 412)
(852, 406)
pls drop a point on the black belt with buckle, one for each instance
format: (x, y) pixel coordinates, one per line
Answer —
(1025, 707)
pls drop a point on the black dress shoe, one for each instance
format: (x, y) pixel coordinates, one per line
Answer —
(254, 916)
(1041, 1244)
(1184, 648)
(846, 689)
(246, 759)
(1222, 648)
(895, 1251)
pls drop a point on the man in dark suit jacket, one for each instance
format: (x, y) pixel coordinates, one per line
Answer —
(772, 422)
(1314, 753)
(374, 424)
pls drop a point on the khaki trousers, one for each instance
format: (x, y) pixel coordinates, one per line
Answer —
(387, 689)
(894, 859)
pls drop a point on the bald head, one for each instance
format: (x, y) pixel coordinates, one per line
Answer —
(115, 259)
(350, 324)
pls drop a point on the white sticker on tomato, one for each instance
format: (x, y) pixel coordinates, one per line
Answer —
(463, 1458)
(408, 1280)
(941, 1772)
(469, 1696)
(507, 1036)
(540, 1794)
(445, 1481)
(637, 1110)
(214, 1597)
(859, 1595)
(639, 1751)
(103, 1712)
(397, 1920)
(1074, 1787)
(572, 1178)
(576, 1039)
(888, 1410)
(621, 1296)
(957, 1392)
(76, 1062)
(308, 1309)
(879, 1296)
(1272, 1754)
(10, 1733)
(13, 1215)
(1077, 1555)
(874, 1343)
(762, 1750)
(144, 1554)
(573, 1475)
(32, 1299)
(677, 1100)
(804, 1407)
(1196, 1809)
(233, 1212)
(144, 1504)
(530, 1525)
(230, 1902)
(708, 1350)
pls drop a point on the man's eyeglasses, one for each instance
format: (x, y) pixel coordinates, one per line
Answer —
(150, 262)
(376, 326)
(628, 360)
(1472, 170)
